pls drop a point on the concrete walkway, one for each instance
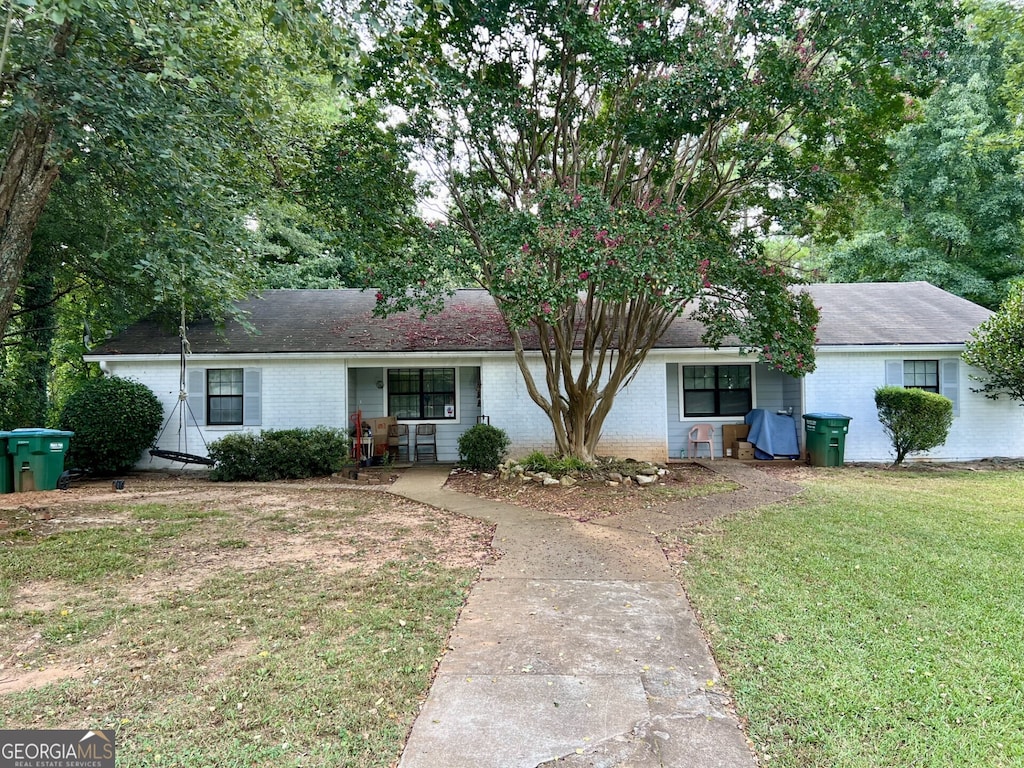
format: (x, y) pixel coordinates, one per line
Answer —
(578, 647)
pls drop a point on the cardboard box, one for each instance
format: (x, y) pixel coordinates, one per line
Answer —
(733, 432)
(379, 425)
(743, 450)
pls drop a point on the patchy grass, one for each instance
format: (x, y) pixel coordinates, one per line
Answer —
(877, 620)
(234, 627)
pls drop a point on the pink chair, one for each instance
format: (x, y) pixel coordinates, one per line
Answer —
(699, 434)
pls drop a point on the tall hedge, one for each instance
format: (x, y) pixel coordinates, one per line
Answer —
(114, 421)
(914, 420)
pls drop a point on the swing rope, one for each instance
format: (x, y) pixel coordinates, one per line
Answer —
(180, 408)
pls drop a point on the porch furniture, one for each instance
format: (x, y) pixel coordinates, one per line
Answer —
(398, 440)
(700, 434)
(426, 440)
(366, 450)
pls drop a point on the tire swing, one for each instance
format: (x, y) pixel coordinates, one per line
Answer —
(183, 410)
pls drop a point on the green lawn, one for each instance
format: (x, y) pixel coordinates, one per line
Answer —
(876, 620)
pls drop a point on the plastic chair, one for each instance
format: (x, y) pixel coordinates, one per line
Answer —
(398, 439)
(426, 440)
(700, 434)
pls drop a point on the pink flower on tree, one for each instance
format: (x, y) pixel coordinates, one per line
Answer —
(584, 275)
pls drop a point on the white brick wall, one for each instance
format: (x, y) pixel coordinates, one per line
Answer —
(295, 393)
(636, 426)
(309, 393)
(845, 382)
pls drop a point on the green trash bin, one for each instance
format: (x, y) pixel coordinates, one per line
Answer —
(826, 438)
(6, 481)
(37, 458)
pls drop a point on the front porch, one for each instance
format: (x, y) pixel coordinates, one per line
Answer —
(721, 392)
(443, 400)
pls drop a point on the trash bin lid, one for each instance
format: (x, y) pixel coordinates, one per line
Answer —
(820, 416)
(38, 432)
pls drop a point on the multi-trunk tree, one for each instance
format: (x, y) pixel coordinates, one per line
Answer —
(610, 166)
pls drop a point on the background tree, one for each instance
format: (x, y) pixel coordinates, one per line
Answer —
(952, 210)
(353, 204)
(174, 106)
(997, 348)
(612, 165)
(170, 127)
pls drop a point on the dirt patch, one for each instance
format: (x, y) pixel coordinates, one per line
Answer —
(330, 525)
(594, 498)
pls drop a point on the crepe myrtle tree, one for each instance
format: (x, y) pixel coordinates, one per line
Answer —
(609, 166)
(594, 287)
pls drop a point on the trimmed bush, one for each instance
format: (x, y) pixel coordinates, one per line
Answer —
(283, 454)
(483, 447)
(914, 420)
(114, 421)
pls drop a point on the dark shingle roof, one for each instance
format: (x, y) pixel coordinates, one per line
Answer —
(893, 313)
(326, 321)
(342, 321)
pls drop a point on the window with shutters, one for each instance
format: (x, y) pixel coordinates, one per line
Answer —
(224, 396)
(941, 376)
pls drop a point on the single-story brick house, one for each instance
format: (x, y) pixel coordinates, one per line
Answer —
(318, 356)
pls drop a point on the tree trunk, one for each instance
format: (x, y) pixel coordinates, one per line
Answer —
(25, 182)
(615, 343)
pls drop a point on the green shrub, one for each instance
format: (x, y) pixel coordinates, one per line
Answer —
(556, 466)
(236, 457)
(284, 454)
(483, 447)
(914, 420)
(114, 421)
(537, 462)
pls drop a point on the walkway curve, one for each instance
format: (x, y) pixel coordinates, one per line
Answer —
(578, 646)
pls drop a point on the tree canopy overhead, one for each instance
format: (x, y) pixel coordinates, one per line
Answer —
(952, 208)
(611, 165)
(178, 109)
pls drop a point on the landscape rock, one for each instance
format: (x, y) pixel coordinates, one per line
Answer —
(568, 481)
